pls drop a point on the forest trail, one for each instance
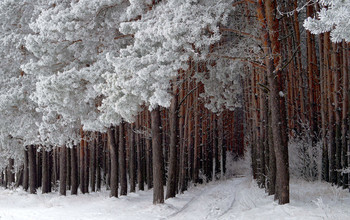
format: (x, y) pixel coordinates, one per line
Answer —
(212, 202)
(233, 198)
(206, 201)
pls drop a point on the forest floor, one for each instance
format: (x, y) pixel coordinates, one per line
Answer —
(234, 198)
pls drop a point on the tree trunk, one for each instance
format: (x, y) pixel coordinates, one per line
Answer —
(221, 143)
(113, 149)
(25, 170)
(172, 181)
(93, 163)
(263, 131)
(158, 192)
(81, 162)
(122, 161)
(323, 72)
(49, 161)
(86, 166)
(19, 177)
(98, 161)
(149, 170)
(190, 144)
(69, 169)
(38, 168)
(54, 167)
(10, 172)
(345, 113)
(32, 169)
(331, 115)
(63, 171)
(74, 172)
(336, 91)
(45, 172)
(196, 139)
(182, 145)
(140, 179)
(132, 158)
(276, 100)
(272, 159)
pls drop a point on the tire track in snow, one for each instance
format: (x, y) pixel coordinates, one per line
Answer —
(233, 188)
(217, 195)
(187, 204)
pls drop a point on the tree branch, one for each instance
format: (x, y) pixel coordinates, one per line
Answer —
(184, 98)
(240, 33)
(123, 36)
(243, 1)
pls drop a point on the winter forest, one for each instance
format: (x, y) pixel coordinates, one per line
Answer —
(174, 109)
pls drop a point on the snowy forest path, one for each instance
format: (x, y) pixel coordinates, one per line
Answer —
(212, 202)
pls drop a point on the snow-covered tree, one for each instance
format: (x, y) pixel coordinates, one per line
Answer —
(165, 39)
(70, 41)
(334, 16)
(18, 118)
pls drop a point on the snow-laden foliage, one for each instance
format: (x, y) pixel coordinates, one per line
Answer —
(68, 65)
(18, 117)
(223, 77)
(222, 85)
(137, 8)
(334, 16)
(165, 39)
(71, 40)
(305, 158)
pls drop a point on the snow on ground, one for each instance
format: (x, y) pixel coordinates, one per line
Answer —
(235, 198)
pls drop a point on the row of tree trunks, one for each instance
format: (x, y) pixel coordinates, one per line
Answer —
(308, 101)
(135, 153)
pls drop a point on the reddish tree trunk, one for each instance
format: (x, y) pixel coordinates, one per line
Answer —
(158, 171)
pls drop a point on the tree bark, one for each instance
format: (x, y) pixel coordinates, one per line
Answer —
(196, 147)
(98, 161)
(93, 163)
(63, 171)
(336, 91)
(172, 181)
(19, 177)
(221, 143)
(81, 162)
(32, 169)
(158, 192)
(140, 173)
(345, 103)
(10, 172)
(132, 158)
(69, 169)
(149, 170)
(113, 149)
(276, 99)
(331, 116)
(86, 166)
(25, 170)
(38, 168)
(45, 172)
(74, 171)
(122, 161)
(182, 145)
